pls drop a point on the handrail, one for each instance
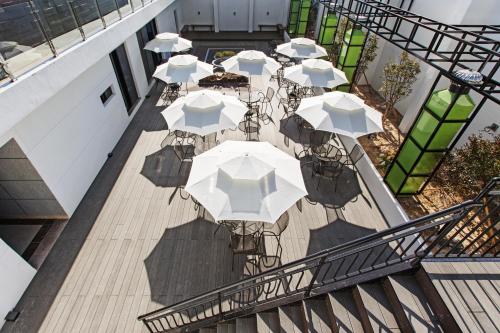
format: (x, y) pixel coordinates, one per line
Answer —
(385, 252)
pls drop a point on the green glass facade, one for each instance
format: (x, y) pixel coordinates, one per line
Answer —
(440, 119)
(327, 29)
(299, 15)
(352, 47)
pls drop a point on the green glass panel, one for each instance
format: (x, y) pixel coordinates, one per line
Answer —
(441, 100)
(408, 155)
(327, 29)
(412, 185)
(294, 16)
(351, 51)
(422, 131)
(303, 18)
(395, 177)
(445, 135)
(427, 163)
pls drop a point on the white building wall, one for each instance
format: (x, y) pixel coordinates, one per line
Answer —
(68, 138)
(198, 11)
(68, 135)
(450, 12)
(15, 276)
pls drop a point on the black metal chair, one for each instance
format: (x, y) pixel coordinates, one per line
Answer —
(328, 169)
(354, 156)
(266, 99)
(277, 228)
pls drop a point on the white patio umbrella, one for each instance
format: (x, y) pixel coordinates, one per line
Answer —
(247, 181)
(203, 112)
(168, 42)
(301, 48)
(184, 68)
(315, 73)
(251, 63)
(341, 113)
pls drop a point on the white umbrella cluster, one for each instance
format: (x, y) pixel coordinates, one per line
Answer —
(168, 42)
(341, 113)
(184, 68)
(301, 48)
(203, 112)
(315, 73)
(250, 63)
(248, 181)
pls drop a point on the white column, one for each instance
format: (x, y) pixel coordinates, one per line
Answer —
(216, 15)
(250, 15)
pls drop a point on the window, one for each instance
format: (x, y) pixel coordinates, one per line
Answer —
(106, 95)
(149, 59)
(124, 75)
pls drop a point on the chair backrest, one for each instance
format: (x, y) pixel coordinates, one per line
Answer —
(282, 222)
(356, 153)
(269, 93)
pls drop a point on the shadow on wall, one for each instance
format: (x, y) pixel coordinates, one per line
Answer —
(23, 192)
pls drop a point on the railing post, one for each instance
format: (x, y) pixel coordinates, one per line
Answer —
(118, 9)
(131, 2)
(77, 19)
(219, 299)
(315, 275)
(100, 14)
(42, 29)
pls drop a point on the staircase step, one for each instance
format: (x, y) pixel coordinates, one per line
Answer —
(228, 327)
(246, 324)
(343, 312)
(268, 322)
(316, 315)
(374, 308)
(410, 304)
(292, 318)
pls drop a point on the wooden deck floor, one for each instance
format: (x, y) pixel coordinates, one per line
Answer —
(470, 290)
(134, 245)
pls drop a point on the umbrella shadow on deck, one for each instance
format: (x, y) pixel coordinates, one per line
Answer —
(337, 232)
(164, 169)
(291, 130)
(331, 193)
(189, 260)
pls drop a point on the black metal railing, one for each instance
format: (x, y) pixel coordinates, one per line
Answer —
(466, 230)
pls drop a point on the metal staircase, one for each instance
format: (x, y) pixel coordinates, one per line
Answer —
(370, 284)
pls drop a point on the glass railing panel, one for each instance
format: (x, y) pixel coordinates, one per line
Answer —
(108, 11)
(58, 21)
(22, 41)
(125, 7)
(136, 3)
(87, 15)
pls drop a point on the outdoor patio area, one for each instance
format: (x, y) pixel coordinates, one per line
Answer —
(136, 244)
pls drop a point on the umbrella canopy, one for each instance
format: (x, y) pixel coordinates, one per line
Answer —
(341, 113)
(250, 63)
(203, 112)
(315, 73)
(168, 42)
(301, 48)
(183, 68)
(244, 180)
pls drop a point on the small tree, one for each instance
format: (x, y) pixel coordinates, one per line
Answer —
(369, 54)
(398, 79)
(469, 168)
